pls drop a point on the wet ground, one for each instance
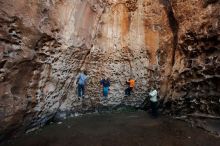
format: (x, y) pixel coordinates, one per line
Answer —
(117, 129)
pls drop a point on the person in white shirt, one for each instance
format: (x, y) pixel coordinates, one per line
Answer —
(153, 102)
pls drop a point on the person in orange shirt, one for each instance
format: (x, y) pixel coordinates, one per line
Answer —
(130, 83)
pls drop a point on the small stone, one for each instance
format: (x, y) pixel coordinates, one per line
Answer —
(59, 123)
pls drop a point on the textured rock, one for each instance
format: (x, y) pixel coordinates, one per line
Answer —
(44, 45)
(195, 76)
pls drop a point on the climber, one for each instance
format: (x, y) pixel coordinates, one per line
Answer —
(81, 81)
(130, 84)
(153, 101)
(105, 83)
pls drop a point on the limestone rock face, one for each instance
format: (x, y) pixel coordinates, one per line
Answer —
(195, 74)
(46, 43)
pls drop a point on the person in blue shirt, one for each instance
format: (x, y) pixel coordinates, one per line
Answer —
(105, 84)
(81, 81)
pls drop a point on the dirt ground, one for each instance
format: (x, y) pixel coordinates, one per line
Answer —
(117, 129)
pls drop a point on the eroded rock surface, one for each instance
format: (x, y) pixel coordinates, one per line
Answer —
(195, 76)
(45, 43)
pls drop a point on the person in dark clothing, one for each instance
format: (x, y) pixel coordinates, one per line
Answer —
(105, 84)
(153, 102)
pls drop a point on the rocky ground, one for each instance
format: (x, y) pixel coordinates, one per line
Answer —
(118, 129)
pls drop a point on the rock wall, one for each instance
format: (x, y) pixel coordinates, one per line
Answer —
(46, 43)
(195, 75)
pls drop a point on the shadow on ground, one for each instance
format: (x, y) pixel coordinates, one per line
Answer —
(117, 129)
